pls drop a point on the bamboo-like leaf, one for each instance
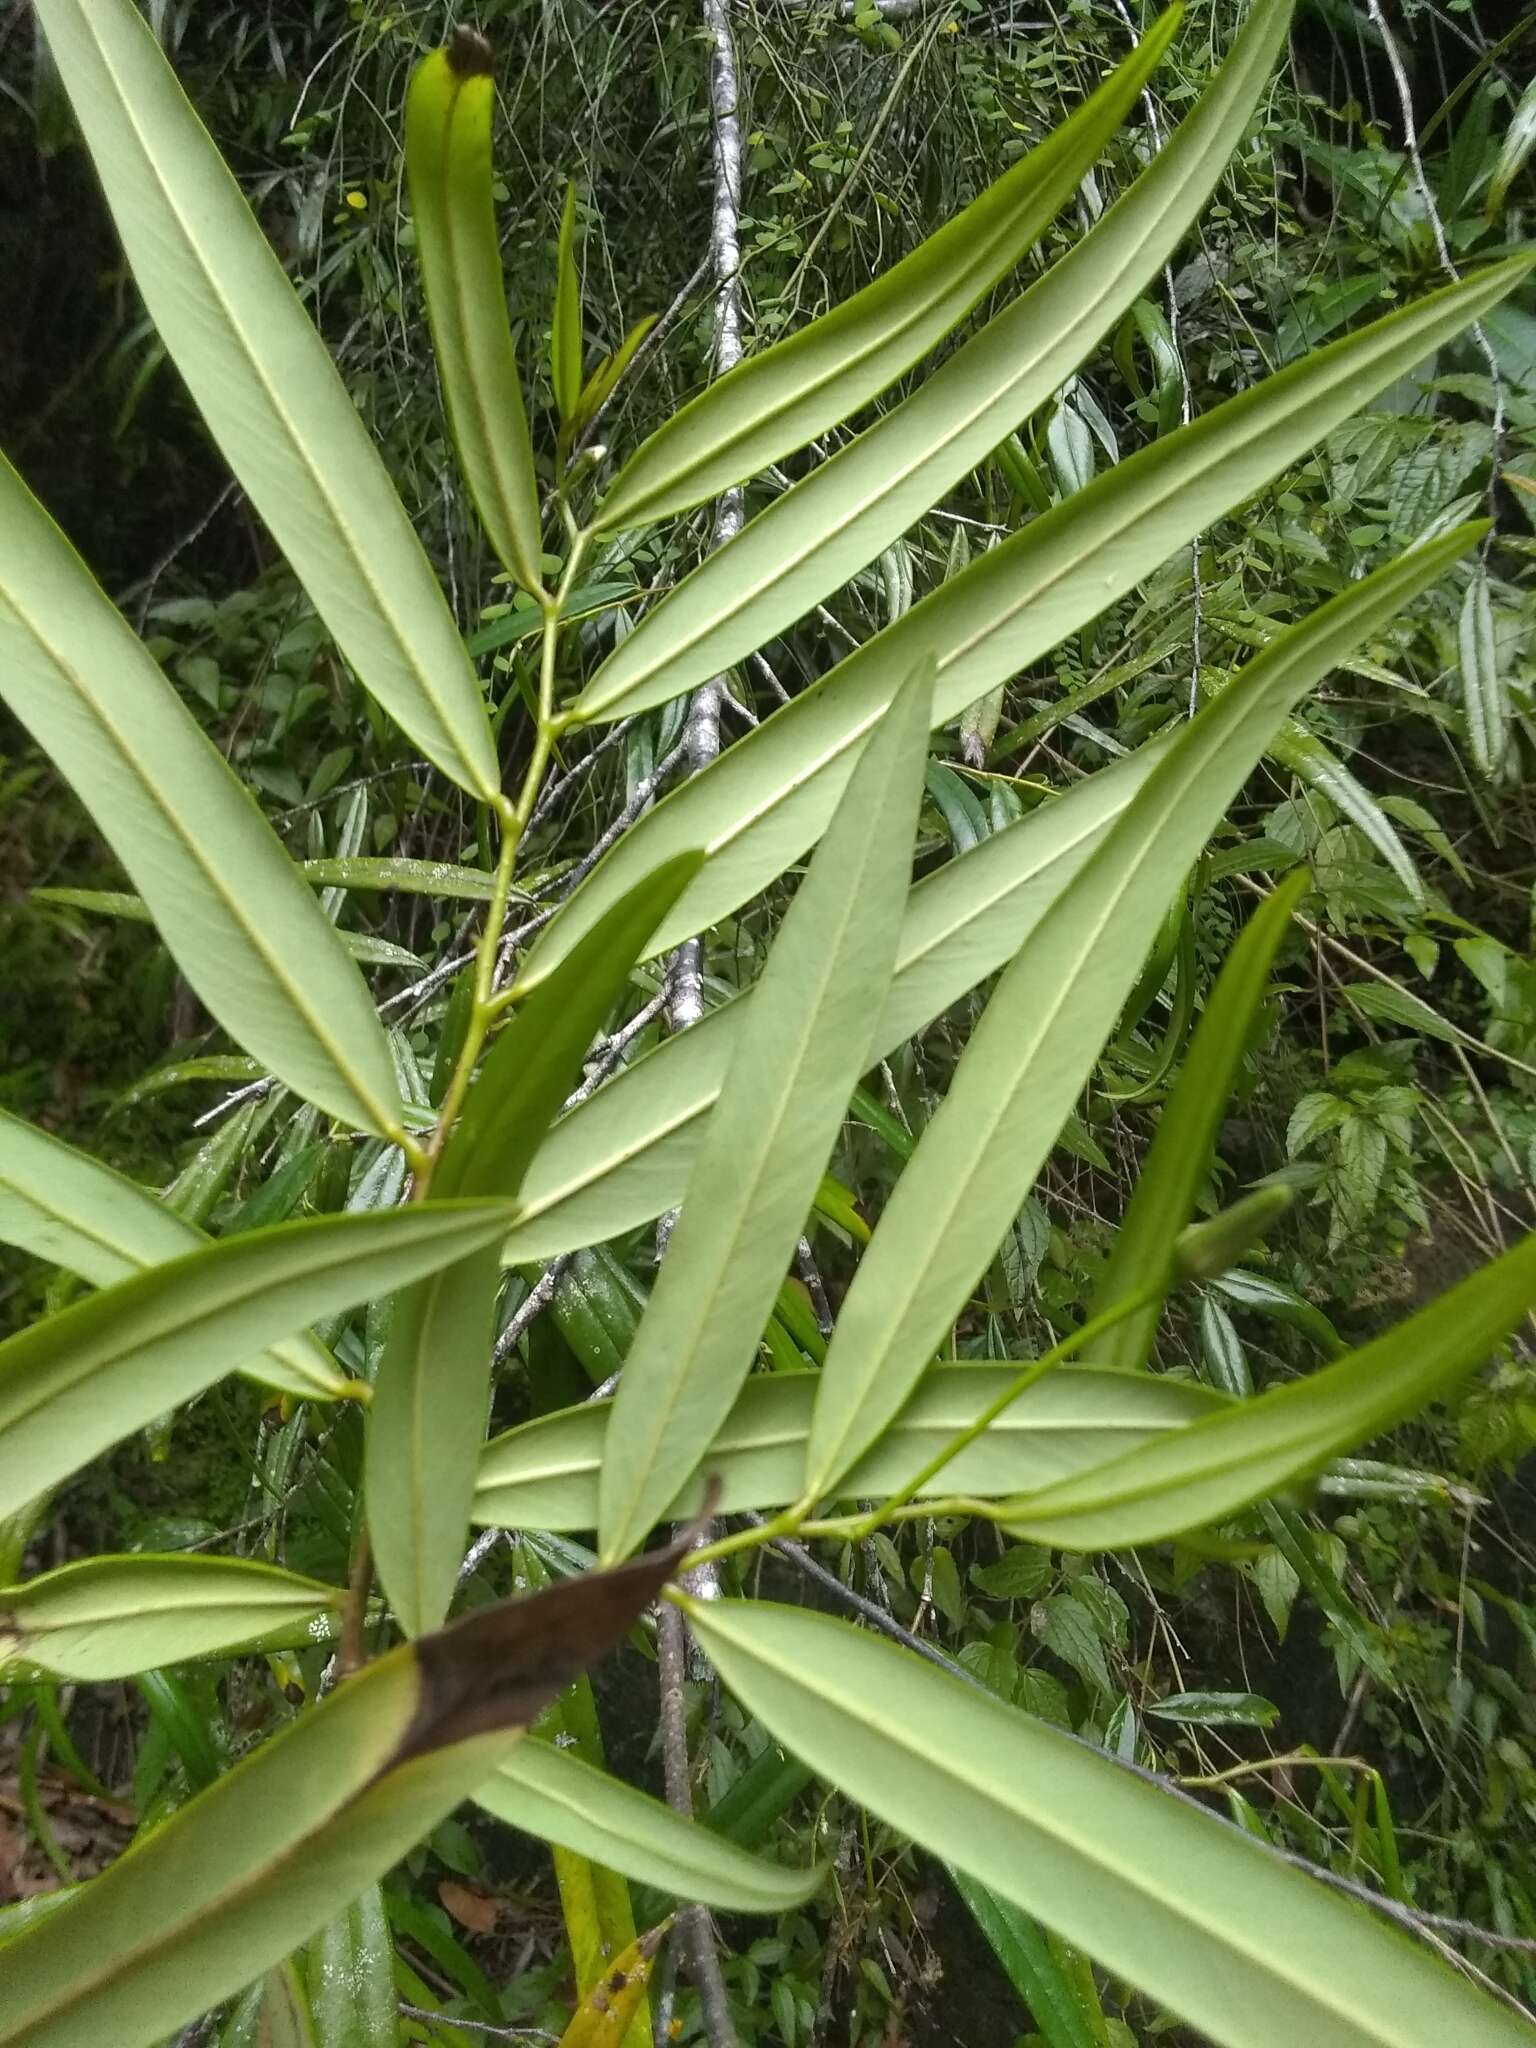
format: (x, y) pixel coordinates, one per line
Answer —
(553, 1794)
(1220, 1465)
(242, 927)
(1181, 1152)
(827, 527)
(362, 946)
(76, 1382)
(1055, 2002)
(264, 383)
(448, 112)
(543, 1474)
(236, 1879)
(349, 1973)
(565, 350)
(769, 796)
(1035, 1044)
(607, 2012)
(1196, 1913)
(1483, 695)
(779, 400)
(623, 1156)
(427, 1421)
(108, 1617)
(63, 1206)
(1300, 750)
(603, 382)
(796, 1061)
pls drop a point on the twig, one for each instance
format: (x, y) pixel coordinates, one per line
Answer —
(531, 1307)
(491, 2033)
(694, 1933)
(1443, 249)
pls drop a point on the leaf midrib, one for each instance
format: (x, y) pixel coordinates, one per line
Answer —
(356, 557)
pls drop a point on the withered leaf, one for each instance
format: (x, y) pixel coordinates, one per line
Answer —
(474, 1910)
(502, 1666)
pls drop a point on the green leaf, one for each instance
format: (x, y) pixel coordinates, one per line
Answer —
(362, 946)
(1389, 1004)
(1483, 696)
(796, 1062)
(1176, 1166)
(602, 383)
(1311, 762)
(448, 112)
(1215, 1709)
(349, 1972)
(1221, 1464)
(623, 1156)
(553, 1794)
(108, 1617)
(78, 1381)
(427, 1422)
(768, 797)
(258, 1862)
(1036, 1042)
(1514, 152)
(1053, 1999)
(565, 349)
(263, 382)
(543, 1474)
(779, 400)
(410, 877)
(239, 923)
(60, 1205)
(1195, 1913)
(823, 530)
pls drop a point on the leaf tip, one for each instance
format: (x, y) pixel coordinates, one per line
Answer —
(470, 53)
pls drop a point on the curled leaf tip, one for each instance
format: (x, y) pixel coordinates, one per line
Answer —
(470, 53)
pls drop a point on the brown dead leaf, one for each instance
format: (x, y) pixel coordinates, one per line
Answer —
(474, 1910)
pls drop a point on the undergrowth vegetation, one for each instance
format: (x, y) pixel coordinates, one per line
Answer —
(1200, 1057)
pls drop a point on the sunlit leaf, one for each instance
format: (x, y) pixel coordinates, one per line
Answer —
(63, 1206)
(780, 399)
(427, 1421)
(448, 112)
(1221, 1464)
(553, 1794)
(824, 529)
(263, 381)
(77, 1381)
(239, 1877)
(1194, 1912)
(543, 1474)
(108, 1617)
(242, 927)
(795, 1063)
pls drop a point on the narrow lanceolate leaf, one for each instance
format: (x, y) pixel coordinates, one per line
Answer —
(1039, 1036)
(59, 1204)
(779, 400)
(623, 1155)
(544, 1474)
(80, 1380)
(1194, 1912)
(821, 532)
(1482, 687)
(769, 796)
(427, 1421)
(264, 384)
(1223, 1463)
(1318, 767)
(240, 924)
(796, 1062)
(616, 2002)
(107, 1617)
(553, 1794)
(565, 328)
(448, 114)
(252, 1867)
(1181, 1152)
(349, 1974)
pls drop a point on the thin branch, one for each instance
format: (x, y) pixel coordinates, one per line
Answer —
(695, 1936)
